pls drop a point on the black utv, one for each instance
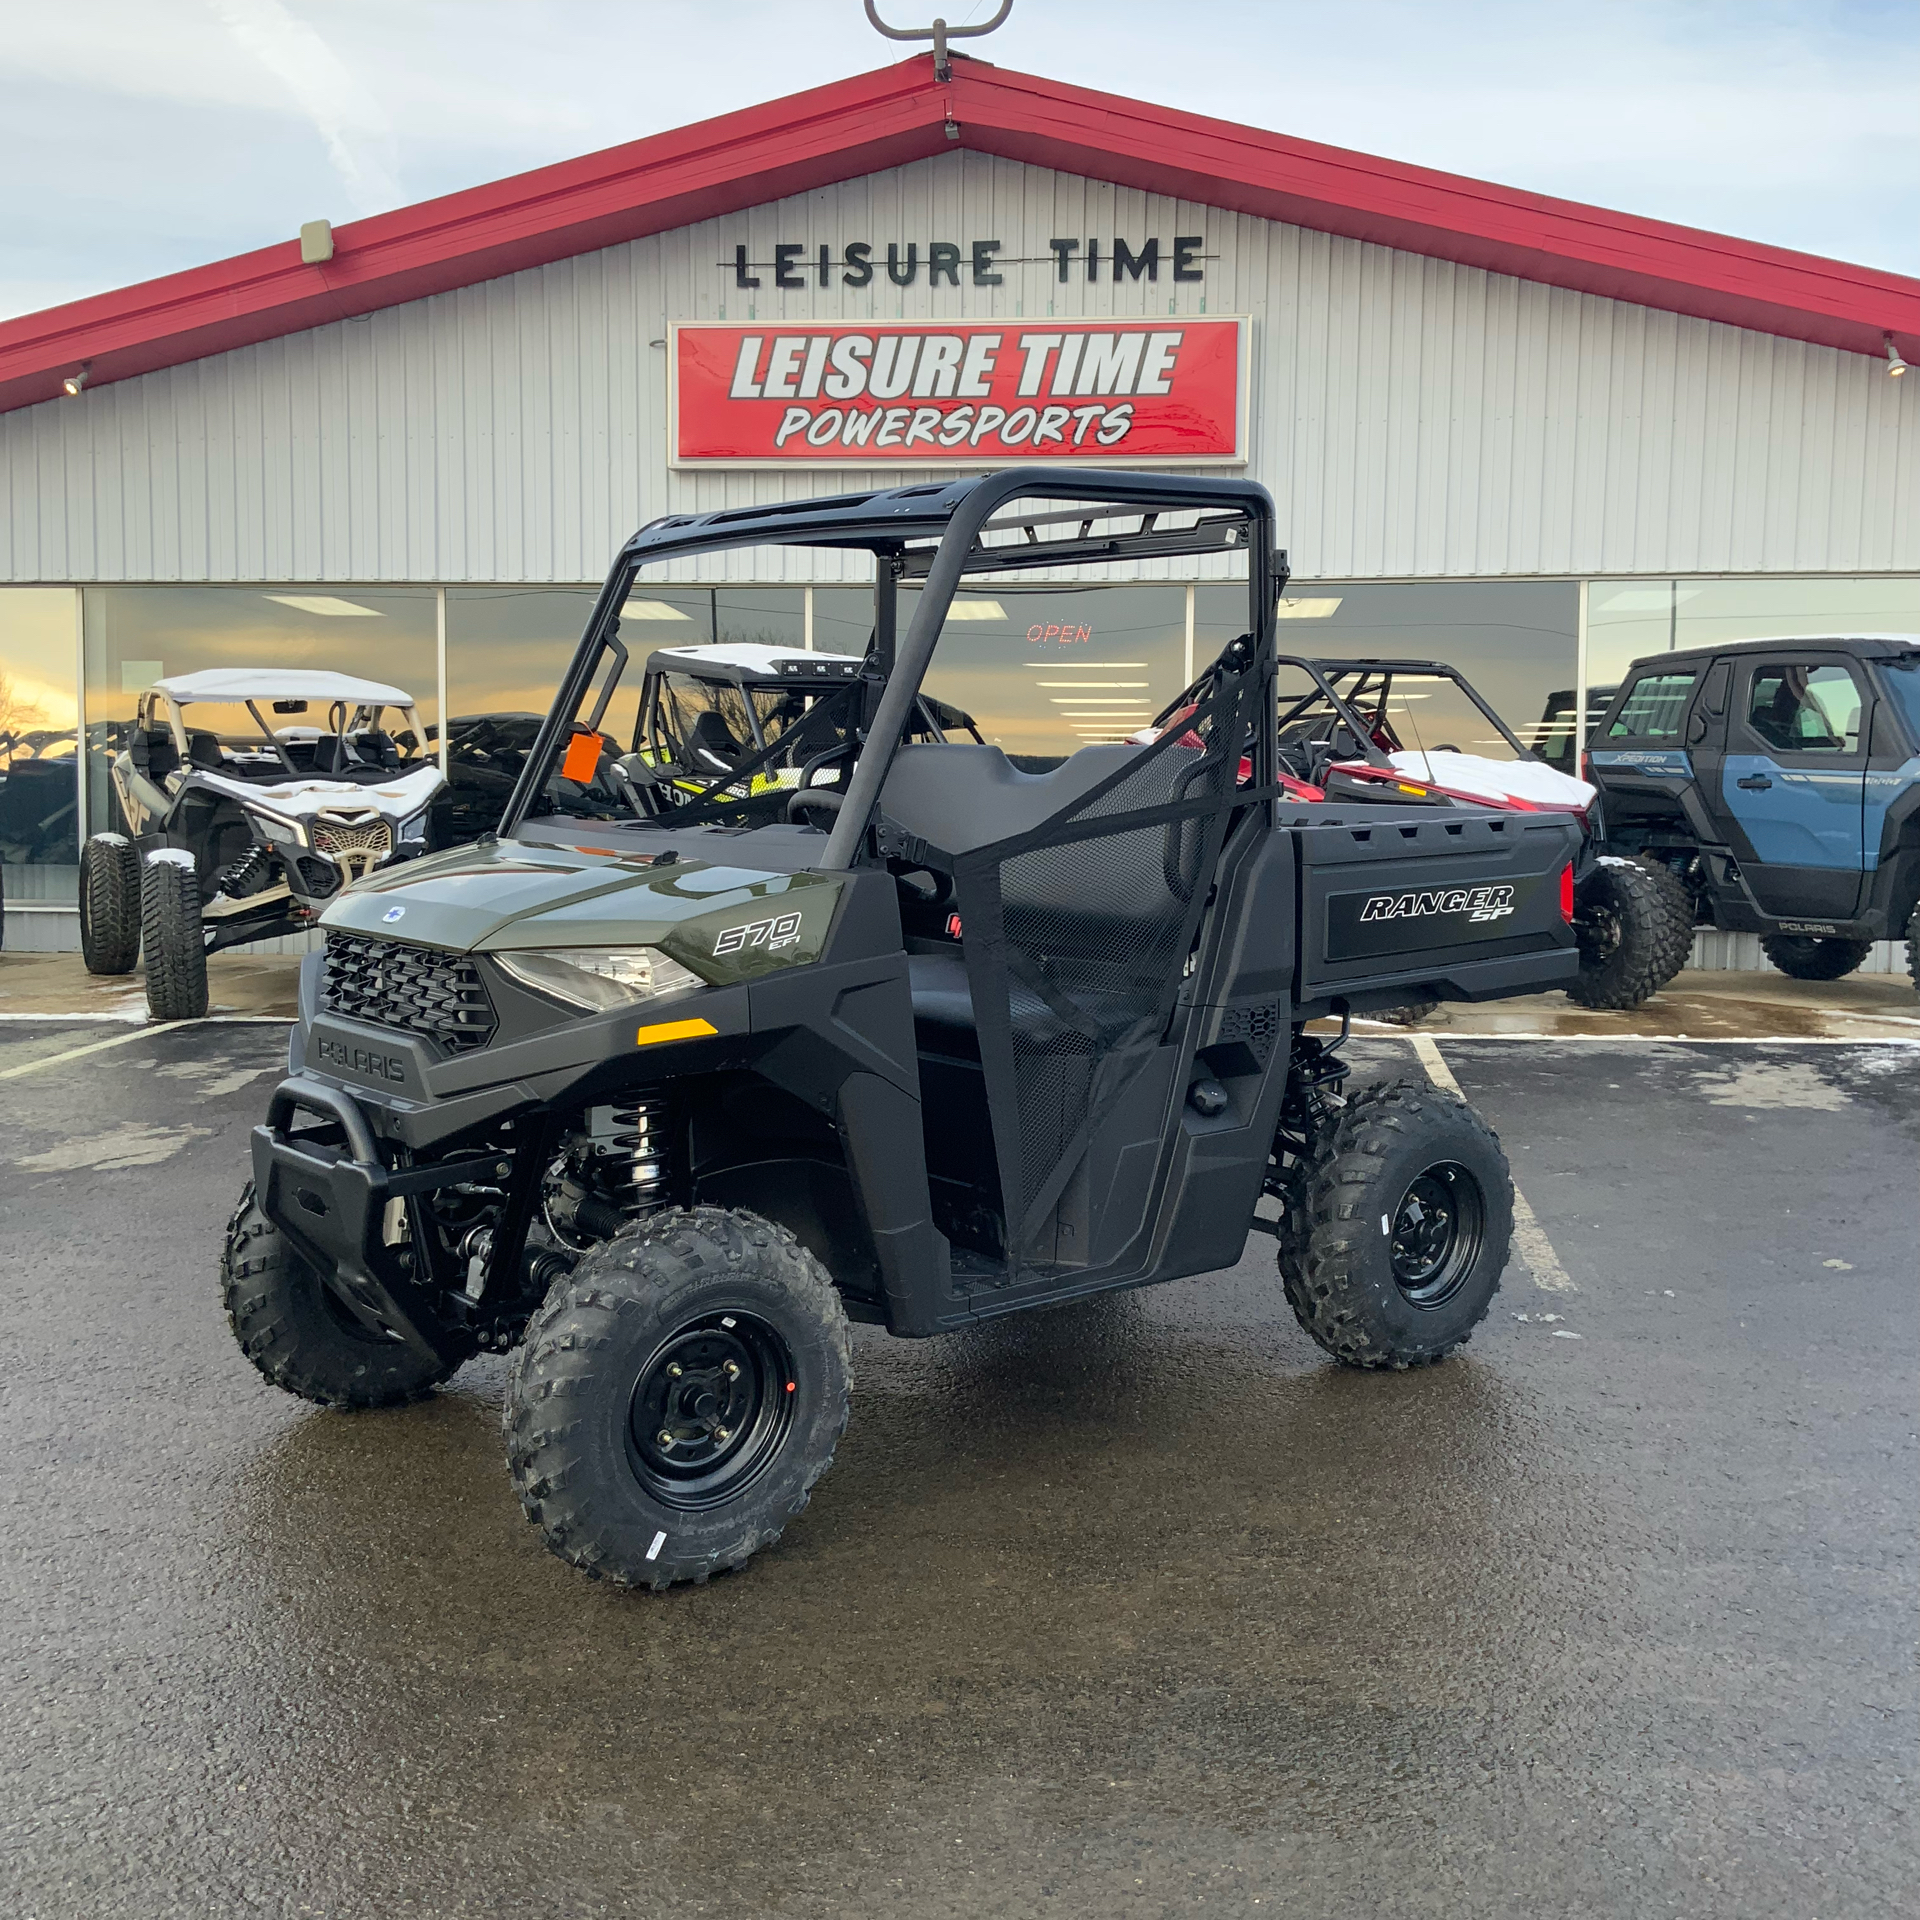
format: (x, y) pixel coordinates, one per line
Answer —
(665, 1089)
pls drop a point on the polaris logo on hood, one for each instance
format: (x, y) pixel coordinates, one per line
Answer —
(1477, 903)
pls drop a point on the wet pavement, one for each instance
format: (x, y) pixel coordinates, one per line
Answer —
(1138, 1607)
(1695, 1005)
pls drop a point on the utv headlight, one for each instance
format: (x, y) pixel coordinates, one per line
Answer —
(413, 831)
(277, 828)
(598, 978)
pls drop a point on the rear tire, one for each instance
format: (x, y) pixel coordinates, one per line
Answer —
(303, 1341)
(1804, 957)
(1409, 1015)
(1397, 1230)
(170, 930)
(640, 1458)
(110, 903)
(1634, 923)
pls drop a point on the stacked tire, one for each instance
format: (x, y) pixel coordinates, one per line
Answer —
(127, 904)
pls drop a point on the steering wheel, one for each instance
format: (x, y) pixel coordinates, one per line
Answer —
(814, 800)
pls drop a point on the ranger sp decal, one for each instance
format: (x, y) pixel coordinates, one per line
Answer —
(1479, 904)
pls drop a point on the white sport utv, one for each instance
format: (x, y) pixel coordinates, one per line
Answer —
(241, 827)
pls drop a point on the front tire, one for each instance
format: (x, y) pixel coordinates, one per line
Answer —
(1634, 923)
(110, 903)
(1804, 957)
(176, 944)
(1397, 1230)
(289, 1325)
(677, 1397)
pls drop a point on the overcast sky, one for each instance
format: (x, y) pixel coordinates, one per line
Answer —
(142, 136)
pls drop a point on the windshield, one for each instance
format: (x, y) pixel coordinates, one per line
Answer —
(281, 737)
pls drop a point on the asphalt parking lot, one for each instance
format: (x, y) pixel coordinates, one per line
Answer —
(1138, 1607)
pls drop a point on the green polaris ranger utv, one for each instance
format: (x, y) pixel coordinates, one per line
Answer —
(664, 1089)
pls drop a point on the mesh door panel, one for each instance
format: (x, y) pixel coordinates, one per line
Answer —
(1078, 932)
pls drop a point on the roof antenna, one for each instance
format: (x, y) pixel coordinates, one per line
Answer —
(939, 33)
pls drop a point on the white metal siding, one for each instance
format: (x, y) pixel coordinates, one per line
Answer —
(1412, 417)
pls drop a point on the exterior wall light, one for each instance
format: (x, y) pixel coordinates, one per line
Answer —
(72, 384)
(1895, 365)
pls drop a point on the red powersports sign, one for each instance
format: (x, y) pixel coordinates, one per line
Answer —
(973, 394)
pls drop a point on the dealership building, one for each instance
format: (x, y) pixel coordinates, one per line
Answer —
(1534, 438)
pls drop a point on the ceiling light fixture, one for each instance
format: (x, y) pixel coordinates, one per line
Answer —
(652, 610)
(72, 384)
(1895, 365)
(327, 605)
(976, 610)
(1308, 609)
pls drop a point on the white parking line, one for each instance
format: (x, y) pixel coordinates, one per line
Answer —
(1535, 1248)
(75, 1053)
(139, 1033)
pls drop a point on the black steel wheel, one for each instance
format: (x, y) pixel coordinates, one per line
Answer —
(710, 1410)
(1437, 1230)
(677, 1396)
(1397, 1227)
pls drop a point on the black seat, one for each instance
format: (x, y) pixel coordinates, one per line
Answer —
(203, 751)
(943, 1010)
(712, 744)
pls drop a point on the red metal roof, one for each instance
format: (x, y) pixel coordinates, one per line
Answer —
(899, 113)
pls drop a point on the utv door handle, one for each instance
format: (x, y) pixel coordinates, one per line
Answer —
(1754, 782)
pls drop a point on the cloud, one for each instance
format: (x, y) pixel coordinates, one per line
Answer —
(358, 136)
(150, 135)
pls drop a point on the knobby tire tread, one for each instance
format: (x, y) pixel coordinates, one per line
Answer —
(1330, 1216)
(637, 1274)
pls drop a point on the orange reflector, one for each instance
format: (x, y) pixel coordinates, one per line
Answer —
(789, 1386)
(582, 759)
(674, 1030)
(1402, 785)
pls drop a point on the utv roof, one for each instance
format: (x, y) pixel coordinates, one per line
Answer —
(742, 661)
(1213, 514)
(1836, 642)
(278, 683)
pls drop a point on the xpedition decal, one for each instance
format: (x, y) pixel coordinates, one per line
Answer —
(937, 393)
(1477, 903)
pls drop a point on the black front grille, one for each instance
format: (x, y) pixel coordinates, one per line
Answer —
(387, 984)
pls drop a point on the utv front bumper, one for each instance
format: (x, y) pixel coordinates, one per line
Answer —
(331, 1199)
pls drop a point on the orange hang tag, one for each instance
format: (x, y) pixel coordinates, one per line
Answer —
(582, 759)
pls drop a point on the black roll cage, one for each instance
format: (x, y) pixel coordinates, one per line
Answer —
(937, 533)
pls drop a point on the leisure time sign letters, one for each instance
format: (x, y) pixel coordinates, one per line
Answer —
(935, 393)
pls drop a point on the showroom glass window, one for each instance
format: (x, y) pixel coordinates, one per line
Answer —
(1517, 641)
(137, 635)
(1046, 670)
(1629, 620)
(39, 716)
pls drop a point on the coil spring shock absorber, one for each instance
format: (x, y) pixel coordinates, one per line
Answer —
(617, 1167)
(637, 1171)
